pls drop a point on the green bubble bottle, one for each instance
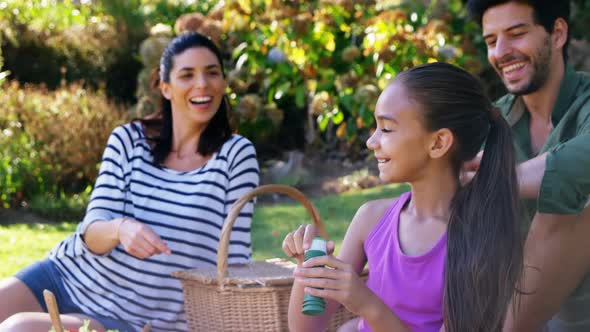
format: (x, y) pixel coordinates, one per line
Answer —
(313, 305)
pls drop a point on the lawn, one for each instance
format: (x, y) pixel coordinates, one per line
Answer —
(22, 244)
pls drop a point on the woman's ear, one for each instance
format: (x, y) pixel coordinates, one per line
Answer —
(165, 90)
(441, 142)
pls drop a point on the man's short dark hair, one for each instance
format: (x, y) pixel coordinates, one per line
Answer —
(545, 12)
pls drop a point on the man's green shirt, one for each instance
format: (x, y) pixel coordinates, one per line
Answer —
(565, 186)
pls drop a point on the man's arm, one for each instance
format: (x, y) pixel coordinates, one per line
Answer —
(530, 176)
(556, 259)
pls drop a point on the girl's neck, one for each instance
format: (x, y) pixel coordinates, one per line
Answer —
(432, 195)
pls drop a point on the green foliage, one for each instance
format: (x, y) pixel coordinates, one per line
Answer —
(326, 61)
(61, 206)
(58, 42)
(168, 11)
(51, 141)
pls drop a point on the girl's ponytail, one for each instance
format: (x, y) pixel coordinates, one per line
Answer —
(484, 244)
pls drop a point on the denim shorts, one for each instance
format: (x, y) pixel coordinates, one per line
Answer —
(45, 275)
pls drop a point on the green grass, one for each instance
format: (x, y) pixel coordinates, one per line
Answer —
(22, 244)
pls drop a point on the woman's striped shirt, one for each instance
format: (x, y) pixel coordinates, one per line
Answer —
(186, 209)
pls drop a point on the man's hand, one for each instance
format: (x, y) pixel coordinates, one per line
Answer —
(469, 169)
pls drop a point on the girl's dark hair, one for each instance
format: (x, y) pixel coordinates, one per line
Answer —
(484, 246)
(158, 127)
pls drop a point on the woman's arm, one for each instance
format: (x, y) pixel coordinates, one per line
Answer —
(137, 238)
(105, 225)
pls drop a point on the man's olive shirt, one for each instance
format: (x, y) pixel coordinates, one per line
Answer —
(565, 186)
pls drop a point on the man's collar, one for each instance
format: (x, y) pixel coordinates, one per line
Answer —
(565, 97)
(567, 91)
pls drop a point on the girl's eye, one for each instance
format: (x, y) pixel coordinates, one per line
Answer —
(385, 130)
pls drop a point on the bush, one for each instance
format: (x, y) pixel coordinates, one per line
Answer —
(306, 65)
(52, 140)
(60, 42)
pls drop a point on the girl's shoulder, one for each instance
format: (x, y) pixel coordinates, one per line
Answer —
(372, 212)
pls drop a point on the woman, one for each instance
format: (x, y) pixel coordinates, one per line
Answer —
(158, 205)
(442, 256)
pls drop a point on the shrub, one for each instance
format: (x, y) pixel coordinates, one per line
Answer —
(53, 140)
(321, 64)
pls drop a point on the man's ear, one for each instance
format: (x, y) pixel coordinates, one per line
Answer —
(560, 33)
(165, 90)
(440, 143)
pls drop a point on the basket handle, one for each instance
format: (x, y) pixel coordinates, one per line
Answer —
(223, 247)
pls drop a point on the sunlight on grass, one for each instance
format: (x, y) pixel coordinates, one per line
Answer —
(272, 222)
(22, 244)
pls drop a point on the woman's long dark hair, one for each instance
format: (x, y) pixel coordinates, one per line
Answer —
(484, 245)
(158, 127)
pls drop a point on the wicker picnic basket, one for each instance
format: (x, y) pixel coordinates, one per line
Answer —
(245, 297)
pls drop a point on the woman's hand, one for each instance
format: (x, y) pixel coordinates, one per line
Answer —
(140, 240)
(337, 281)
(297, 242)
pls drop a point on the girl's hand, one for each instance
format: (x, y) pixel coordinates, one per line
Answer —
(297, 242)
(337, 281)
(140, 240)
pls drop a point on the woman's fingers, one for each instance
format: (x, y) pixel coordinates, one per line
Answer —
(155, 242)
(141, 241)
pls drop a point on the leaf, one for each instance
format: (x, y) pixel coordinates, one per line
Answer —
(241, 60)
(338, 117)
(323, 122)
(239, 49)
(300, 96)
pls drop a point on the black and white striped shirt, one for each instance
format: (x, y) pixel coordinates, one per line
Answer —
(186, 209)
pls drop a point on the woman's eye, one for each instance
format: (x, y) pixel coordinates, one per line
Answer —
(385, 130)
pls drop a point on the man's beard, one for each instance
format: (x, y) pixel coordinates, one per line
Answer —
(540, 70)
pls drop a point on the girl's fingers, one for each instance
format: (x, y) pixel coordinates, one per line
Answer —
(298, 240)
(330, 247)
(323, 293)
(317, 272)
(309, 235)
(327, 260)
(320, 283)
(288, 245)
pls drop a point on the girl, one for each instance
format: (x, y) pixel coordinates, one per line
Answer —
(442, 256)
(160, 199)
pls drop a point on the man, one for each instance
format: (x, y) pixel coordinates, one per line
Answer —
(548, 108)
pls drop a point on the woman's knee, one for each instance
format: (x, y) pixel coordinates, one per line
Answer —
(26, 322)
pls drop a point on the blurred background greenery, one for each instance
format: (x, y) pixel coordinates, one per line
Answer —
(303, 75)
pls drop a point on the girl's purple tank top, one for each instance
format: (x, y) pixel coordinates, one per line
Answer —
(412, 286)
